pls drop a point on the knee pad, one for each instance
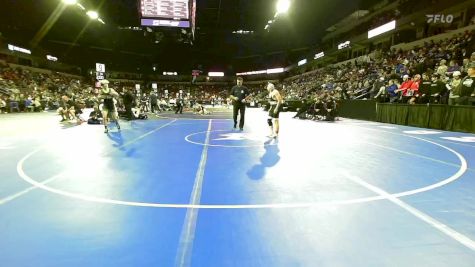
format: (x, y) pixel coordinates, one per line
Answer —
(269, 121)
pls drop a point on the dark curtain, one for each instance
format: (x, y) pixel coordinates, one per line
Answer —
(450, 118)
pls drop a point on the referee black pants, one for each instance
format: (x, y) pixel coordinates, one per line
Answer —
(241, 107)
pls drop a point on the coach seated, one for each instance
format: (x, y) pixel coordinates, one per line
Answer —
(304, 109)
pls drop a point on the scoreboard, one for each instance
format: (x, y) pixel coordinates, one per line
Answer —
(168, 13)
(167, 9)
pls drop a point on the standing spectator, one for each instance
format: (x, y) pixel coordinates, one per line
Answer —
(424, 89)
(468, 85)
(454, 88)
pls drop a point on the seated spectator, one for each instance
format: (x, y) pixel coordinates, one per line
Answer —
(453, 66)
(404, 87)
(442, 69)
(391, 90)
(95, 117)
(438, 89)
(413, 91)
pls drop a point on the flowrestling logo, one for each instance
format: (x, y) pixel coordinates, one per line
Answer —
(438, 18)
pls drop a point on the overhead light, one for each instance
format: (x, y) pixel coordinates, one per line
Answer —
(51, 58)
(302, 62)
(215, 74)
(92, 14)
(18, 49)
(70, 2)
(81, 6)
(283, 6)
(277, 70)
(266, 27)
(101, 21)
(270, 21)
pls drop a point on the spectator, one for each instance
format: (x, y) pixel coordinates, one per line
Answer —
(442, 69)
(454, 88)
(438, 89)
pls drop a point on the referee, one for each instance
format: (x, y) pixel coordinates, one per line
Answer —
(239, 94)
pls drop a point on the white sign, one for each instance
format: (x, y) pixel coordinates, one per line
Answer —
(382, 29)
(344, 45)
(51, 58)
(439, 18)
(319, 55)
(19, 49)
(100, 67)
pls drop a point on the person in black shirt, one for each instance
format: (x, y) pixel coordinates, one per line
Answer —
(437, 89)
(129, 100)
(179, 103)
(239, 94)
(425, 89)
(154, 103)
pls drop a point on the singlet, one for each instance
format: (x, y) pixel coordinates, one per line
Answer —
(272, 99)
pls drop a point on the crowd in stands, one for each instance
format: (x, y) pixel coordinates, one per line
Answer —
(24, 90)
(429, 74)
(432, 73)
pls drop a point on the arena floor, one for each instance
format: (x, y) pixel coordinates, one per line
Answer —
(184, 190)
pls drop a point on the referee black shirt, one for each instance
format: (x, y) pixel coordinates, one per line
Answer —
(241, 92)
